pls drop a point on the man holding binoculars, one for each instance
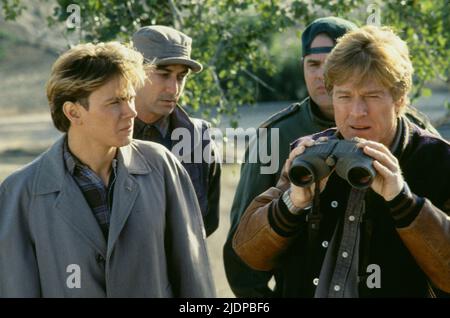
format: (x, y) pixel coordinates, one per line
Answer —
(387, 236)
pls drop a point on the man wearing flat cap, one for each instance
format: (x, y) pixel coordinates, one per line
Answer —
(161, 119)
(313, 114)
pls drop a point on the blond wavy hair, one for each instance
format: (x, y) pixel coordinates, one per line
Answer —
(84, 68)
(371, 52)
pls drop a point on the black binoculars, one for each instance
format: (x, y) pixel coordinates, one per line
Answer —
(317, 161)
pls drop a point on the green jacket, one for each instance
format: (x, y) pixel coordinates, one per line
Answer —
(293, 122)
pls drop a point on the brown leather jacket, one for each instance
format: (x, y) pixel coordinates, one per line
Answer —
(267, 231)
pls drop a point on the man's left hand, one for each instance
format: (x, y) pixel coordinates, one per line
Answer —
(389, 180)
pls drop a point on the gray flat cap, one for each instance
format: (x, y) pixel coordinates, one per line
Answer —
(165, 46)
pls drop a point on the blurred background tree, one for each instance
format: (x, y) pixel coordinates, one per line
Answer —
(251, 48)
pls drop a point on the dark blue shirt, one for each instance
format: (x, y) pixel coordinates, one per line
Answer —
(98, 196)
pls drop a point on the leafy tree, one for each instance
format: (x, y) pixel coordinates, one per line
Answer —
(234, 39)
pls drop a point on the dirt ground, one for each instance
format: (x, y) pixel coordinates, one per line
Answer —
(230, 178)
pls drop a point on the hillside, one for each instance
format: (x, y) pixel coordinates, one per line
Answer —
(28, 48)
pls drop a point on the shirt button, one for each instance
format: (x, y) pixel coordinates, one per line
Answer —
(344, 254)
(351, 218)
(100, 258)
(316, 281)
(337, 288)
(334, 204)
(325, 244)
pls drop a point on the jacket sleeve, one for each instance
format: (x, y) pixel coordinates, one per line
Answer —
(187, 257)
(19, 273)
(425, 230)
(420, 119)
(267, 228)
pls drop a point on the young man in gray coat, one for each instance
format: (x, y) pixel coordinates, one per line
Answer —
(100, 215)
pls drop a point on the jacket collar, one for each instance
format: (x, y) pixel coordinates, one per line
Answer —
(180, 119)
(162, 125)
(50, 175)
(402, 141)
(313, 112)
(133, 160)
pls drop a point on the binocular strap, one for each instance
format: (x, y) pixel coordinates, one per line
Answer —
(313, 220)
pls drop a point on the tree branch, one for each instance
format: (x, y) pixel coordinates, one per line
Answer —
(223, 98)
(177, 18)
(259, 80)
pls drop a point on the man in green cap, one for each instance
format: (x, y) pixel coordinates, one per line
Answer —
(161, 119)
(313, 114)
(340, 233)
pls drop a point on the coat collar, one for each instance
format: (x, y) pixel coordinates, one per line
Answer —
(192, 129)
(162, 125)
(50, 176)
(316, 116)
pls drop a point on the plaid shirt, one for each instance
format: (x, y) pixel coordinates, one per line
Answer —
(157, 132)
(98, 197)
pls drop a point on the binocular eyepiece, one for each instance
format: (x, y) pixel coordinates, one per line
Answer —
(317, 161)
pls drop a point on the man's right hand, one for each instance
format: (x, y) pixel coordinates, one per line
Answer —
(302, 197)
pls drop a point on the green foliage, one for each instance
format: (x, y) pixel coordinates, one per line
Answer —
(425, 26)
(286, 81)
(242, 46)
(12, 8)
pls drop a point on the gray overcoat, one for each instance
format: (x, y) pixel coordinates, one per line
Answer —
(52, 246)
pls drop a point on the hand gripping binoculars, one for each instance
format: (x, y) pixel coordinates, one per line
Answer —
(317, 162)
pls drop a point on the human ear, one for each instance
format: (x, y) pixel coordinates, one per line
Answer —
(399, 105)
(73, 112)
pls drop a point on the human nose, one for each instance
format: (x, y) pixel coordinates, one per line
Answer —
(320, 72)
(129, 109)
(359, 107)
(172, 86)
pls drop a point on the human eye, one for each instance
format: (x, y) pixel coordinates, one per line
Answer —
(162, 74)
(114, 102)
(313, 64)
